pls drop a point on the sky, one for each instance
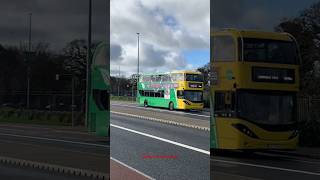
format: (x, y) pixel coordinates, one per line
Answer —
(56, 22)
(174, 34)
(255, 14)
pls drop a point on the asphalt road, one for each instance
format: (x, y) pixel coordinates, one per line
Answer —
(130, 147)
(133, 139)
(264, 165)
(200, 115)
(58, 146)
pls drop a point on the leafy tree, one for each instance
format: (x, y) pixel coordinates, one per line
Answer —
(205, 70)
(306, 29)
(75, 54)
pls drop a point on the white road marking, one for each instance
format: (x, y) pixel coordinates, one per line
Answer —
(162, 139)
(234, 176)
(289, 157)
(163, 121)
(162, 110)
(267, 167)
(55, 140)
(131, 168)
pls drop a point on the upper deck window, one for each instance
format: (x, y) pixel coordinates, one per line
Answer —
(224, 48)
(177, 77)
(270, 51)
(194, 77)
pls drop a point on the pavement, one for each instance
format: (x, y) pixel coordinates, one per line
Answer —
(63, 149)
(121, 171)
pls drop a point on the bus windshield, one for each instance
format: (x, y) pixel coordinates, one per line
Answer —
(270, 51)
(194, 77)
(193, 96)
(266, 108)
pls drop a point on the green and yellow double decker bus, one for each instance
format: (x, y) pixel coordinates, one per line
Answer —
(174, 90)
(254, 83)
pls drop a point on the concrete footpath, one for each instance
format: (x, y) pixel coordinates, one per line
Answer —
(121, 171)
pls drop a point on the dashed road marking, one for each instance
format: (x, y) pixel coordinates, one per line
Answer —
(163, 121)
(54, 168)
(162, 110)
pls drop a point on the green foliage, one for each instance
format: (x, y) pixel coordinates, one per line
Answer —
(309, 133)
(305, 28)
(123, 98)
(12, 115)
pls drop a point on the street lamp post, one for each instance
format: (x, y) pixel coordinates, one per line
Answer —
(88, 85)
(119, 83)
(28, 62)
(138, 36)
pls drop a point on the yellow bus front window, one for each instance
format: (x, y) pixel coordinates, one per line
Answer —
(266, 108)
(224, 48)
(194, 77)
(270, 51)
(193, 96)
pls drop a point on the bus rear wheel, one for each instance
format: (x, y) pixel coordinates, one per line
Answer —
(171, 106)
(145, 104)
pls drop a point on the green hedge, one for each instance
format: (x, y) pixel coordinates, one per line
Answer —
(123, 98)
(39, 117)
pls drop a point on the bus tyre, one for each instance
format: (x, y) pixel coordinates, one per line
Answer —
(145, 104)
(171, 106)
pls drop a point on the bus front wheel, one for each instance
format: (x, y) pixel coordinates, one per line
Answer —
(171, 106)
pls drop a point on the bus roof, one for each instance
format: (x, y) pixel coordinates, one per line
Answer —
(175, 71)
(186, 71)
(254, 34)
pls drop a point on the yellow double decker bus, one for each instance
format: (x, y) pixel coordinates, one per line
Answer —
(254, 83)
(174, 90)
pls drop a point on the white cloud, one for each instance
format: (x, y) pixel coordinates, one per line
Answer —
(167, 28)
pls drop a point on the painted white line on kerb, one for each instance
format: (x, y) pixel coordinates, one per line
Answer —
(55, 140)
(267, 167)
(162, 139)
(162, 121)
(131, 168)
(162, 110)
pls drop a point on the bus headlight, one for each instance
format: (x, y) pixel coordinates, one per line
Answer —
(294, 134)
(244, 129)
(186, 102)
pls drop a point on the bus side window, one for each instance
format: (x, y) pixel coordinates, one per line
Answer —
(158, 78)
(224, 102)
(173, 77)
(162, 93)
(219, 101)
(141, 92)
(165, 78)
(153, 78)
